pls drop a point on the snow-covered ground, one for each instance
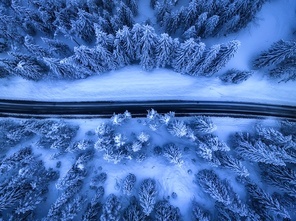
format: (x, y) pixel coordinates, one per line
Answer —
(274, 22)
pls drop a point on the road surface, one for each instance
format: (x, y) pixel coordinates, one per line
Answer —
(102, 109)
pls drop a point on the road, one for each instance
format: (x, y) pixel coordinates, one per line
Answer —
(139, 109)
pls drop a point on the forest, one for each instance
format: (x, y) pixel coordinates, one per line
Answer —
(70, 39)
(249, 175)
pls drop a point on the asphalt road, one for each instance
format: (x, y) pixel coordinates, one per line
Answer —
(106, 109)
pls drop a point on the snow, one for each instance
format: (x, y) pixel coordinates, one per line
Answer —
(274, 22)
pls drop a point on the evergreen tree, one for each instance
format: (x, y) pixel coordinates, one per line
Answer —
(198, 214)
(128, 184)
(83, 26)
(133, 5)
(178, 128)
(183, 58)
(63, 70)
(147, 46)
(147, 195)
(264, 204)
(226, 52)
(124, 14)
(190, 14)
(165, 50)
(208, 57)
(58, 48)
(210, 26)
(203, 124)
(137, 34)
(164, 211)
(31, 69)
(72, 209)
(235, 76)
(200, 23)
(173, 153)
(124, 42)
(260, 152)
(277, 53)
(36, 50)
(134, 211)
(111, 209)
(93, 208)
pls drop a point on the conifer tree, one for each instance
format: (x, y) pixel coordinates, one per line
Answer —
(165, 50)
(147, 195)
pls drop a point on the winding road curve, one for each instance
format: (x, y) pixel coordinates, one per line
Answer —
(105, 109)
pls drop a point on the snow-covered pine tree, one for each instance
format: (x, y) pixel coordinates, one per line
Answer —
(264, 204)
(165, 50)
(190, 33)
(232, 163)
(178, 128)
(173, 154)
(284, 72)
(36, 50)
(185, 53)
(220, 191)
(124, 16)
(203, 124)
(134, 211)
(190, 14)
(196, 58)
(208, 57)
(56, 208)
(72, 209)
(147, 46)
(128, 184)
(90, 58)
(133, 5)
(164, 211)
(137, 33)
(210, 26)
(83, 26)
(235, 76)
(198, 214)
(147, 195)
(31, 69)
(63, 70)
(200, 23)
(93, 208)
(260, 152)
(125, 41)
(111, 209)
(282, 177)
(225, 53)
(278, 52)
(58, 48)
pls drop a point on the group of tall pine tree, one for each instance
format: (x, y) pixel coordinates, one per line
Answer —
(75, 39)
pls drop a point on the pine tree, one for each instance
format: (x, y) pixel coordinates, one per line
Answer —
(72, 209)
(280, 176)
(235, 76)
(124, 42)
(111, 209)
(203, 124)
(165, 50)
(208, 57)
(198, 214)
(178, 128)
(277, 53)
(124, 16)
(226, 52)
(173, 153)
(147, 195)
(63, 70)
(137, 33)
(147, 46)
(83, 26)
(31, 69)
(134, 211)
(128, 184)
(133, 5)
(36, 50)
(190, 14)
(93, 208)
(210, 26)
(58, 48)
(265, 204)
(183, 58)
(200, 24)
(164, 211)
(260, 152)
